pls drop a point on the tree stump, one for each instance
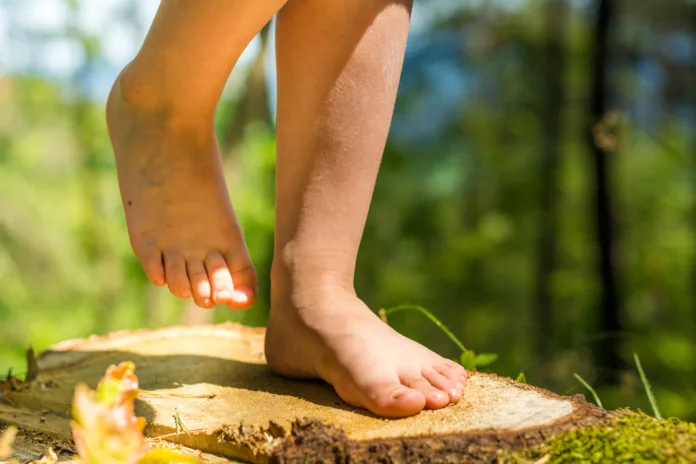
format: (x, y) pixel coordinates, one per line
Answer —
(214, 378)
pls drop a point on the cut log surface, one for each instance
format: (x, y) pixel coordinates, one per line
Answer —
(215, 378)
(31, 446)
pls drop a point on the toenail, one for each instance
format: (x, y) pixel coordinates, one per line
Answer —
(437, 395)
(459, 386)
(463, 377)
(239, 296)
(186, 293)
(248, 292)
(454, 393)
(399, 394)
(223, 295)
(207, 301)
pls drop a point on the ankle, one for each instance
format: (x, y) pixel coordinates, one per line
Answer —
(302, 275)
(143, 89)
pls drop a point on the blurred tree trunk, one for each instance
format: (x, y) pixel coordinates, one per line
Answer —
(606, 352)
(551, 148)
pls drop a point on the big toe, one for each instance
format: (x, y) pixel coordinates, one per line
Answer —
(229, 286)
(391, 400)
(244, 279)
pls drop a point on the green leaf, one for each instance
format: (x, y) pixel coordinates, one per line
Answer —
(485, 359)
(468, 360)
(521, 378)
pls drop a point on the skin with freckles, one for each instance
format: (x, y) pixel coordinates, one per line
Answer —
(338, 72)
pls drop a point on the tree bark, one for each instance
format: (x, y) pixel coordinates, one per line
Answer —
(551, 152)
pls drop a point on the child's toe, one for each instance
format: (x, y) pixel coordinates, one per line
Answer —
(434, 397)
(200, 285)
(220, 278)
(244, 280)
(151, 259)
(395, 400)
(177, 277)
(453, 371)
(444, 384)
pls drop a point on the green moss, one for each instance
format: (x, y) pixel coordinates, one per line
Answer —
(631, 437)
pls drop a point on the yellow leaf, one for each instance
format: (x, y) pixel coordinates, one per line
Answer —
(6, 441)
(105, 427)
(166, 456)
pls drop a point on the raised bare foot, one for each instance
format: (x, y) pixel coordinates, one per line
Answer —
(181, 223)
(331, 334)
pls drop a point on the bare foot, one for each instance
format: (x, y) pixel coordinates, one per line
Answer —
(181, 223)
(329, 333)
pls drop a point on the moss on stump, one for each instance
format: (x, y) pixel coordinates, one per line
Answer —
(627, 437)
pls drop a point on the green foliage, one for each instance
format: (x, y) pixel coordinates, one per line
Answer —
(485, 359)
(470, 360)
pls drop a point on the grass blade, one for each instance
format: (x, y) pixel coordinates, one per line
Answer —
(592, 390)
(430, 316)
(648, 388)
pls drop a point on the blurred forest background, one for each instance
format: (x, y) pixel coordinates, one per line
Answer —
(538, 192)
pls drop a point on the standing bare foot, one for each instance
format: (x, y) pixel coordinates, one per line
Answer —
(180, 220)
(327, 332)
(337, 82)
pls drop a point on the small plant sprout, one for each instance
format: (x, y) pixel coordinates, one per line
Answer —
(590, 389)
(468, 359)
(648, 388)
(407, 307)
(179, 424)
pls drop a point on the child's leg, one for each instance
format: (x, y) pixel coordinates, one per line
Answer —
(160, 114)
(338, 72)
